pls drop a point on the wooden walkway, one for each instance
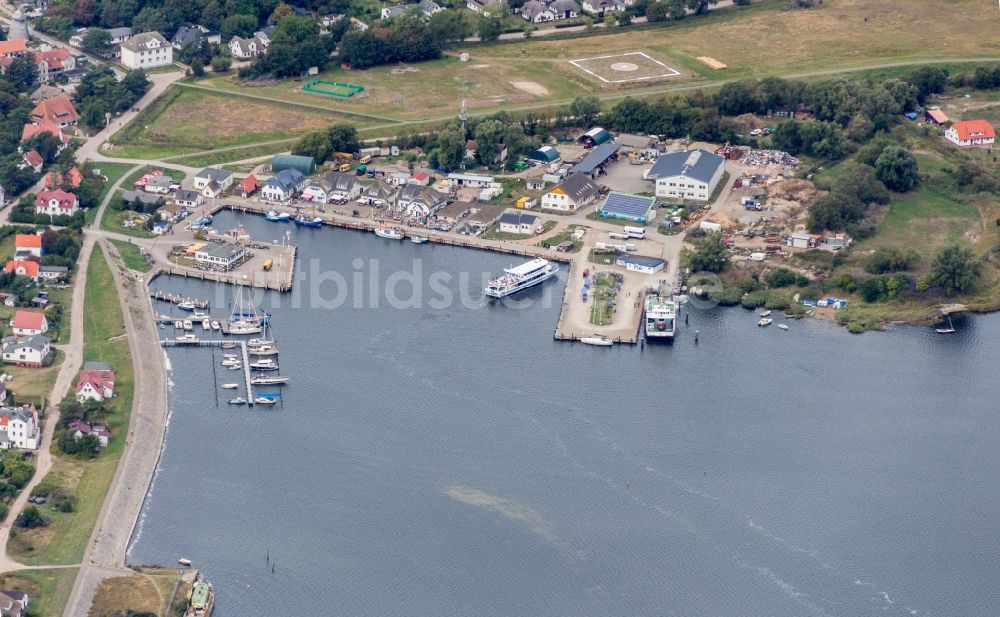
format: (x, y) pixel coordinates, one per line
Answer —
(219, 343)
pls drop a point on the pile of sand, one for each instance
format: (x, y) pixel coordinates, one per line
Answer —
(531, 87)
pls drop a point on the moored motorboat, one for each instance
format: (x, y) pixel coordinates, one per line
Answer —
(782, 326)
(262, 350)
(765, 313)
(276, 217)
(597, 339)
(216, 325)
(264, 400)
(765, 321)
(186, 306)
(418, 239)
(229, 345)
(265, 380)
(179, 324)
(184, 561)
(187, 339)
(230, 386)
(188, 324)
(239, 400)
(390, 233)
(302, 221)
(264, 364)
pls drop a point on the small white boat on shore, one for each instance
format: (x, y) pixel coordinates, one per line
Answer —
(230, 386)
(766, 321)
(597, 339)
(184, 561)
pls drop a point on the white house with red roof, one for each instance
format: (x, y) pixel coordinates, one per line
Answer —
(971, 133)
(19, 428)
(57, 110)
(22, 267)
(56, 202)
(95, 385)
(33, 160)
(27, 244)
(28, 323)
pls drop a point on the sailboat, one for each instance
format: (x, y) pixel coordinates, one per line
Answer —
(949, 330)
(245, 318)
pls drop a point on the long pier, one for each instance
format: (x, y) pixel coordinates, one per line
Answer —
(231, 278)
(219, 343)
(177, 299)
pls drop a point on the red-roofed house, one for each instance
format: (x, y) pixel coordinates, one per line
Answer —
(971, 133)
(57, 110)
(56, 202)
(12, 48)
(247, 186)
(68, 180)
(53, 63)
(95, 385)
(22, 267)
(78, 428)
(28, 323)
(27, 245)
(30, 130)
(33, 160)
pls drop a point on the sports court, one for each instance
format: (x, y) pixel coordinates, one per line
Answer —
(624, 67)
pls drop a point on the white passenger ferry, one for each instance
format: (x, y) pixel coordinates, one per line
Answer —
(660, 318)
(521, 277)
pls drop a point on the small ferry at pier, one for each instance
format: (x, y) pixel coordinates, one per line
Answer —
(202, 600)
(277, 217)
(661, 317)
(390, 233)
(316, 222)
(521, 277)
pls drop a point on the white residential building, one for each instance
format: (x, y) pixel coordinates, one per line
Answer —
(147, 50)
(575, 192)
(19, 428)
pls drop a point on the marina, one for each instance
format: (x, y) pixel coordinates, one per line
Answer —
(660, 461)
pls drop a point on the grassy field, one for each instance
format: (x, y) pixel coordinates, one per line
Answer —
(48, 590)
(63, 541)
(150, 590)
(113, 219)
(132, 256)
(193, 120)
(239, 154)
(763, 39)
(111, 171)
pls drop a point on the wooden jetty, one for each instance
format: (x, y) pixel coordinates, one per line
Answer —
(177, 299)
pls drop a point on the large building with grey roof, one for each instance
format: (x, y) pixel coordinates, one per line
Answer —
(687, 175)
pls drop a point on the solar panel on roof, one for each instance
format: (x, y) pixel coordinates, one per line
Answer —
(628, 205)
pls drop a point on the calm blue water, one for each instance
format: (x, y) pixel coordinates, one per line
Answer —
(457, 461)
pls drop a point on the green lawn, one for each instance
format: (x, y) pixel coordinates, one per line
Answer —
(925, 220)
(603, 311)
(64, 540)
(48, 590)
(239, 154)
(111, 171)
(132, 256)
(113, 219)
(188, 120)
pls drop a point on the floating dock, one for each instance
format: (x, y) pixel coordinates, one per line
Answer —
(177, 299)
(219, 343)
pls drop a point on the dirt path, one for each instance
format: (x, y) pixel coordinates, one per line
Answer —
(64, 380)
